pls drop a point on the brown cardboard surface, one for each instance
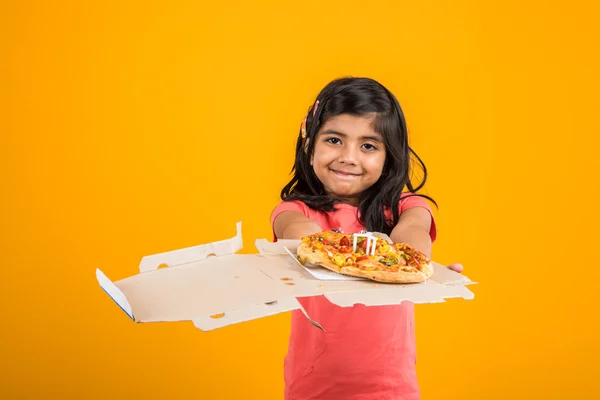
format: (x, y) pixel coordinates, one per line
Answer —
(230, 288)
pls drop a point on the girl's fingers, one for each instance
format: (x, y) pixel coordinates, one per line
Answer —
(456, 267)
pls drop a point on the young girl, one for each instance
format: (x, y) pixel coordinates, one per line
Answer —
(352, 166)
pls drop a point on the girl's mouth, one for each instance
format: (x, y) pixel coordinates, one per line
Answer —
(345, 174)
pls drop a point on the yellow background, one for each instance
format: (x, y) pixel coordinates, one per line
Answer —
(131, 128)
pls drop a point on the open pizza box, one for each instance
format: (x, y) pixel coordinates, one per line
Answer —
(213, 287)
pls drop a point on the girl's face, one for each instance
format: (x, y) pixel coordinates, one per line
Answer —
(348, 156)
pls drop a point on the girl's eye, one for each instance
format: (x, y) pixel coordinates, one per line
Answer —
(369, 147)
(333, 140)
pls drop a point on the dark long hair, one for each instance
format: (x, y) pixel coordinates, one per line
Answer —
(359, 97)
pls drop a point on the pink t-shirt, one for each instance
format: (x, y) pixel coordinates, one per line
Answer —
(365, 353)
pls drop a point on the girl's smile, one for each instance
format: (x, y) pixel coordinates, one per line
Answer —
(343, 174)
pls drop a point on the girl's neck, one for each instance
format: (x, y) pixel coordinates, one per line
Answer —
(351, 201)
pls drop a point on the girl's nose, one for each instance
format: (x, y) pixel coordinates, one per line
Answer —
(349, 155)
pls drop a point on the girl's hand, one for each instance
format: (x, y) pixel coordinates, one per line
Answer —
(456, 267)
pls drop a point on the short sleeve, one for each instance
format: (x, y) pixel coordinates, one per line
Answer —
(294, 205)
(417, 201)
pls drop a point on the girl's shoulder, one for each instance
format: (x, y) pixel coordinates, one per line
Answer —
(290, 205)
(409, 199)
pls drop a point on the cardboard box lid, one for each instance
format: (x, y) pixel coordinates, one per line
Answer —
(214, 287)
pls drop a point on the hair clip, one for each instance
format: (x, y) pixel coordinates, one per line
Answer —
(303, 129)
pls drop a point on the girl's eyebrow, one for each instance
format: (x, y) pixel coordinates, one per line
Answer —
(332, 131)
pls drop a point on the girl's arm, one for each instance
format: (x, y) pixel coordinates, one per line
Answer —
(413, 228)
(294, 225)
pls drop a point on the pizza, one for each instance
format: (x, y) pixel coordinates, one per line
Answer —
(366, 256)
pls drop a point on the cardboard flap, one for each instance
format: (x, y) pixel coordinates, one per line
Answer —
(255, 311)
(194, 253)
(114, 293)
(279, 247)
(208, 287)
(413, 293)
(446, 276)
(459, 292)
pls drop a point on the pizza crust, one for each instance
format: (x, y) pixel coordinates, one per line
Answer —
(389, 276)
